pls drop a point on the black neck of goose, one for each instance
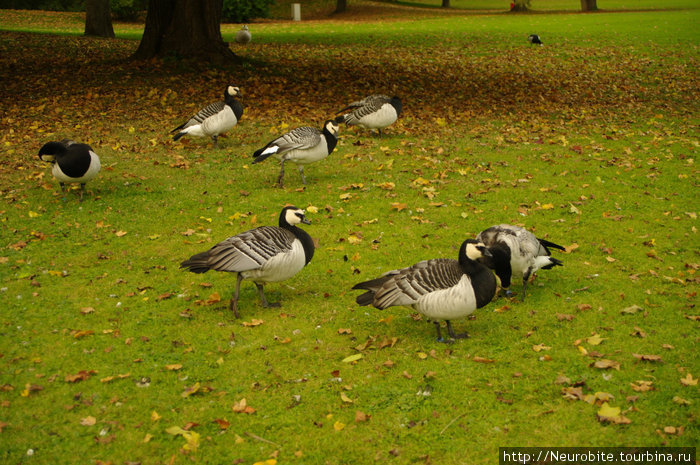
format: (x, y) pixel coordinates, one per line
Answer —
(396, 103)
(236, 106)
(331, 139)
(306, 242)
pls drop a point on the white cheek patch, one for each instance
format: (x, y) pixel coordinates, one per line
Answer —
(472, 252)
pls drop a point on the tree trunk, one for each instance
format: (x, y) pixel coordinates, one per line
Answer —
(186, 29)
(341, 6)
(445, 3)
(589, 5)
(98, 19)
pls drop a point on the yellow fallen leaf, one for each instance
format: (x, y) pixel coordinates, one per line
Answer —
(606, 411)
(120, 233)
(595, 339)
(173, 367)
(345, 398)
(192, 439)
(267, 462)
(88, 421)
(689, 380)
(352, 358)
(253, 322)
(540, 347)
(175, 430)
(147, 437)
(338, 426)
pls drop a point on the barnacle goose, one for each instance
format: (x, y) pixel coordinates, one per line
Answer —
(72, 162)
(517, 251)
(534, 39)
(243, 36)
(215, 118)
(262, 255)
(373, 112)
(440, 289)
(301, 146)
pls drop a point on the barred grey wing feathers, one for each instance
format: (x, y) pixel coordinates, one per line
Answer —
(250, 250)
(206, 112)
(407, 285)
(304, 137)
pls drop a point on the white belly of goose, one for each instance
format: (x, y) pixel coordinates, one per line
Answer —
(448, 304)
(89, 174)
(215, 124)
(280, 267)
(380, 119)
(306, 156)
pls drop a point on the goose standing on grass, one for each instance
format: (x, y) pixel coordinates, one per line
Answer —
(243, 36)
(215, 118)
(72, 162)
(301, 146)
(440, 289)
(534, 39)
(515, 250)
(373, 112)
(263, 255)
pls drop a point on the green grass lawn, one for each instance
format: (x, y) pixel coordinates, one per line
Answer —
(111, 354)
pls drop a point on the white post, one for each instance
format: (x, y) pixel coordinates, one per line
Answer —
(296, 11)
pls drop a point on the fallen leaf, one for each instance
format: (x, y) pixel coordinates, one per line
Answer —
(346, 399)
(689, 380)
(338, 426)
(223, 424)
(681, 401)
(189, 390)
(352, 358)
(595, 340)
(631, 310)
(648, 357)
(540, 347)
(605, 364)
(642, 386)
(482, 359)
(242, 407)
(361, 417)
(88, 421)
(253, 322)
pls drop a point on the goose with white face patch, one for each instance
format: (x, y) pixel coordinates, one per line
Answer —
(243, 35)
(263, 255)
(374, 112)
(534, 39)
(214, 119)
(440, 289)
(516, 251)
(301, 146)
(72, 162)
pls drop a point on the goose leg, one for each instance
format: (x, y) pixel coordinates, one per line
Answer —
(526, 278)
(265, 303)
(301, 172)
(216, 141)
(82, 190)
(63, 191)
(452, 334)
(233, 305)
(281, 176)
(439, 334)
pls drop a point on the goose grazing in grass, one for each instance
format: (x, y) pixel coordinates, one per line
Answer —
(440, 289)
(534, 39)
(72, 163)
(215, 118)
(301, 146)
(373, 112)
(517, 251)
(263, 255)
(243, 36)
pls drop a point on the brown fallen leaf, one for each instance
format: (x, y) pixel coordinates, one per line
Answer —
(564, 316)
(223, 424)
(242, 407)
(88, 421)
(605, 364)
(82, 375)
(361, 417)
(648, 357)
(689, 380)
(253, 322)
(642, 386)
(478, 359)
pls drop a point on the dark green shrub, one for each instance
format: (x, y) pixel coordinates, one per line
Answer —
(242, 11)
(127, 10)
